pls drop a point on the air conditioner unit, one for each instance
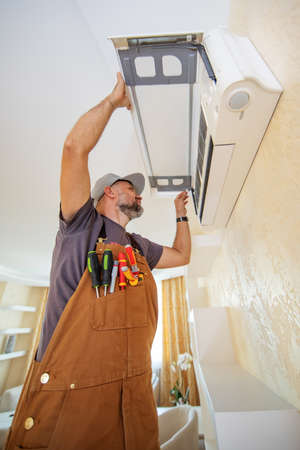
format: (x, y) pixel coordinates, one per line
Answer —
(202, 103)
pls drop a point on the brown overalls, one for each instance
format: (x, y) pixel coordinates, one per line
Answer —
(92, 389)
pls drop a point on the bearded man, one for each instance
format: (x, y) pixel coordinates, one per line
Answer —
(89, 386)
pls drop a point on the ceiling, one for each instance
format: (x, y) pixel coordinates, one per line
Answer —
(56, 63)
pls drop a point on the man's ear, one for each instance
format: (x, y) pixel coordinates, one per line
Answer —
(109, 192)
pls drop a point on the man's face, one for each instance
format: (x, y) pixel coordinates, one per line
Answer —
(129, 201)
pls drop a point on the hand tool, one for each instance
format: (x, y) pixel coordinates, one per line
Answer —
(133, 281)
(107, 265)
(122, 263)
(132, 260)
(94, 269)
(114, 274)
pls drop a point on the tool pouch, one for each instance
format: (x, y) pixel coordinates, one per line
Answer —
(122, 309)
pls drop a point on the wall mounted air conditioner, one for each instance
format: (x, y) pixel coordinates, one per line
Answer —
(202, 103)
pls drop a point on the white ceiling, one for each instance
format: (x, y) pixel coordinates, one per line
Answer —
(56, 63)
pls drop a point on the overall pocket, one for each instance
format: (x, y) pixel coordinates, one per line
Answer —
(122, 309)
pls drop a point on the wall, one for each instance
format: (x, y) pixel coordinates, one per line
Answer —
(257, 269)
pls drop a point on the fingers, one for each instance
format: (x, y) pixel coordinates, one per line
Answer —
(120, 79)
(180, 202)
(128, 104)
(184, 195)
(119, 95)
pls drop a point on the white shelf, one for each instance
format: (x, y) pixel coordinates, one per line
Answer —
(17, 308)
(4, 356)
(232, 389)
(12, 331)
(238, 410)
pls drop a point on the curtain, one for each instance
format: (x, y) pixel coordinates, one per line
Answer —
(176, 339)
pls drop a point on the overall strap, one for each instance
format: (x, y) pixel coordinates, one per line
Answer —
(133, 242)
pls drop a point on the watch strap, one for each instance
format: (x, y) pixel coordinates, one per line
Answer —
(182, 219)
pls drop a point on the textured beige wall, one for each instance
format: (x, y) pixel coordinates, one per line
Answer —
(257, 271)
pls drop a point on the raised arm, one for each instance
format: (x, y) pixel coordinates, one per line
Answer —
(75, 179)
(179, 254)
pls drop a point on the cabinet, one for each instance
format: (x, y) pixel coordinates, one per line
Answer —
(238, 410)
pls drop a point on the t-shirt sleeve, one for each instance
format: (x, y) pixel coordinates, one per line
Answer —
(80, 221)
(151, 250)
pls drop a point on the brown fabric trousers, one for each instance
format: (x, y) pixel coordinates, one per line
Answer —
(92, 389)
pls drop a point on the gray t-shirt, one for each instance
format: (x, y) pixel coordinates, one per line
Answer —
(73, 241)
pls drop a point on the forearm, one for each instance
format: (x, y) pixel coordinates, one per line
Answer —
(179, 254)
(182, 241)
(87, 131)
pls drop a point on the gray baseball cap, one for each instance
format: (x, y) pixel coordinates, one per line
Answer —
(136, 179)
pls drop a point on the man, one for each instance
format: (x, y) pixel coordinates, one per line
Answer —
(90, 384)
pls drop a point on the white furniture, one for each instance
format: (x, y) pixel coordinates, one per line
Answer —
(178, 428)
(5, 422)
(238, 410)
(8, 404)
(12, 355)
(9, 399)
(198, 409)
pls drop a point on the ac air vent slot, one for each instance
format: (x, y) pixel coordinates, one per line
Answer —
(202, 139)
(209, 158)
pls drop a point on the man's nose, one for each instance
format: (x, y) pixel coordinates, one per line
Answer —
(138, 197)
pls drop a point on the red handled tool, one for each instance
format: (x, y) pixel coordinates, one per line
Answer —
(132, 260)
(122, 263)
(133, 281)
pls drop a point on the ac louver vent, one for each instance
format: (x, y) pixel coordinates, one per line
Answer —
(200, 161)
(209, 158)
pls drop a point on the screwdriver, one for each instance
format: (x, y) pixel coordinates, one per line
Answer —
(132, 260)
(94, 269)
(122, 263)
(107, 265)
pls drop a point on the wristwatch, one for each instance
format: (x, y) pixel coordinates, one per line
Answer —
(182, 219)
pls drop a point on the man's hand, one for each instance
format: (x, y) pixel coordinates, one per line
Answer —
(180, 203)
(118, 97)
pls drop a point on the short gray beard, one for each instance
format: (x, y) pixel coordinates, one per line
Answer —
(132, 211)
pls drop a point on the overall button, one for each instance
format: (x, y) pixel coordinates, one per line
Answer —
(45, 378)
(29, 422)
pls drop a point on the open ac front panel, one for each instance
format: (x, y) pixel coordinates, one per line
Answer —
(202, 103)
